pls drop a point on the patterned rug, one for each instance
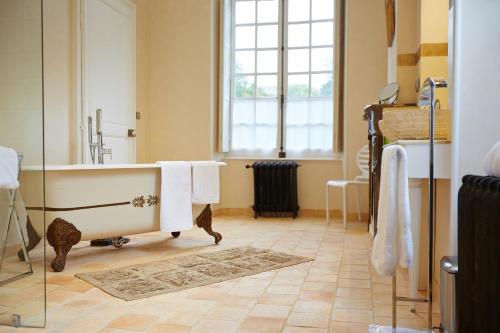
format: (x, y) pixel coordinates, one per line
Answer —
(185, 272)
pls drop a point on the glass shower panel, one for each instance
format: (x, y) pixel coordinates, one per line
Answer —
(22, 228)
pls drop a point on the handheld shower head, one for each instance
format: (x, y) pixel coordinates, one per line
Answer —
(426, 93)
(98, 121)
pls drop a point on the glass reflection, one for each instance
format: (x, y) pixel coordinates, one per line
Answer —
(22, 273)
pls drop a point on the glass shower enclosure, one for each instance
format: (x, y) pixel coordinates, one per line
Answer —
(22, 248)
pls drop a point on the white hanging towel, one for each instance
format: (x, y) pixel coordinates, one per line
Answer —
(9, 169)
(393, 243)
(206, 188)
(175, 209)
(492, 161)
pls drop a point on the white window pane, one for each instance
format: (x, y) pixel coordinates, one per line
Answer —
(321, 137)
(265, 137)
(297, 138)
(321, 111)
(245, 12)
(322, 59)
(298, 10)
(267, 61)
(321, 85)
(297, 112)
(267, 11)
(298, 35)
(322, 9)
(298, 60)
(244, 37)
(267, 86)
(243, 112)
(266, 112)
(243, 137)
(298, 85)
(244, 86)
(244, 62)
(267, 36)
(322, 33)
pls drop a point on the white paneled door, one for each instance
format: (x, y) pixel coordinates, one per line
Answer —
(108, 50)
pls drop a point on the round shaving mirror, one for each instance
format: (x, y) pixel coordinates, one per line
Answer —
(389, 93)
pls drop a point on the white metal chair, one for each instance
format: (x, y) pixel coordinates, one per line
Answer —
(362, 160)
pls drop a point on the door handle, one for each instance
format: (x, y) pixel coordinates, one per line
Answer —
(132, 133)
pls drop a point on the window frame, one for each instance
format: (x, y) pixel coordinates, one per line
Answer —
(282, 81)
(255, 152)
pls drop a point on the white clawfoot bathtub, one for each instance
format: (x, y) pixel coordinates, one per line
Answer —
(86, 202)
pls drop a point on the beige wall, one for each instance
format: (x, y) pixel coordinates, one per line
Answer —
(434, 29)
(59, 78)
(366, 74)
(420, 22)
(237, 184)
(21, 126)
(408, 39)
(143, 138)
(181, 79)
(21, 79)
(177, 70)
(434, 21)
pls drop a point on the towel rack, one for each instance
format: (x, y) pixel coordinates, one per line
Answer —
(426, 99)
(12, 216)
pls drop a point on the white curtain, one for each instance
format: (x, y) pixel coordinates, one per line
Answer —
(309, 125)
(225, 75)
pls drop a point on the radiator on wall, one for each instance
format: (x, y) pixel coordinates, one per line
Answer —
(275, 188)
(478, 278)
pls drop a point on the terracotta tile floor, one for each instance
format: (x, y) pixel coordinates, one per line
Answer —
(337, 292)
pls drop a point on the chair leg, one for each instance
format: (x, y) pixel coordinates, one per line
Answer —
(344, 205)
(327, 204)
(357, 201)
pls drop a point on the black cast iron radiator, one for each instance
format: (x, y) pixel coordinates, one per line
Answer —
(275, 188)
(478, 278)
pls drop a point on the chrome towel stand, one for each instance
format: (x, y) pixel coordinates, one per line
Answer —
(13, 217)
(427, 99)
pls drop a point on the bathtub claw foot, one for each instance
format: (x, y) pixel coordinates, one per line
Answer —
(62, 235)
(33, 239)
(204, 220)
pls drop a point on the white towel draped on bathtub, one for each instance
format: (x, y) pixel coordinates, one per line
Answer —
(175, 209)
(393, 244)
(9, 169)
(492, 161)
(206, 188)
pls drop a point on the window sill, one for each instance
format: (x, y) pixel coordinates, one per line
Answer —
(332, 157)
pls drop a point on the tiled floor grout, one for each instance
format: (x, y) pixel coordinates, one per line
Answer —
(330, 318)
(325, 282)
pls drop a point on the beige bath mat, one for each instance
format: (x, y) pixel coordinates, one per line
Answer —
(179, 273)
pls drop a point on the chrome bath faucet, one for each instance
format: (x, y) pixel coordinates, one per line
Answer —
(101, 151)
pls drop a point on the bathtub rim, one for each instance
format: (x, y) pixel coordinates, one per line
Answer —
(77, 167)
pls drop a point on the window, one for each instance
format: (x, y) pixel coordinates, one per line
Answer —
(281, 77)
